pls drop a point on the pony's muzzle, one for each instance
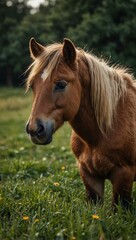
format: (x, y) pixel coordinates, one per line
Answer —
(41, 132)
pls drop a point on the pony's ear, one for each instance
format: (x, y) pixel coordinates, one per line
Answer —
(69, 51)
(35, 48)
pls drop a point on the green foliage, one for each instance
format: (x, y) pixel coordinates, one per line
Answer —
(41, 193)
(106, 26)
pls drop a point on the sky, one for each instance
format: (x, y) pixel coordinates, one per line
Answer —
(35, 3)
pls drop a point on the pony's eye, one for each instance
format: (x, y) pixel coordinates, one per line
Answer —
(60, 85)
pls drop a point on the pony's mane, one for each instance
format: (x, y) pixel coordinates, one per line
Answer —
(107, 83)
(107, 87)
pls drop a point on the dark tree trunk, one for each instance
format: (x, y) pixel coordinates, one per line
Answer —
(9, 76)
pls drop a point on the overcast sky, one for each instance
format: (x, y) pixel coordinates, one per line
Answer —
(35, 3)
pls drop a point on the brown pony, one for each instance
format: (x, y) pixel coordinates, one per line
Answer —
(99, 102)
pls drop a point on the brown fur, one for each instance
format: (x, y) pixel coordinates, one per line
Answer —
(100, 105)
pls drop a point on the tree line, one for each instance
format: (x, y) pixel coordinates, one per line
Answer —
(105, 27)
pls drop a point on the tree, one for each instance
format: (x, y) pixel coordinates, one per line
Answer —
(9, 57)
(109, 30)
(105, 26)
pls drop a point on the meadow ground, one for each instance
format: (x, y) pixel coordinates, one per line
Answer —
(41, 194)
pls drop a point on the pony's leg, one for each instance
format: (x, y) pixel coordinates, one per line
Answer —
(122, 181)
(94, 185)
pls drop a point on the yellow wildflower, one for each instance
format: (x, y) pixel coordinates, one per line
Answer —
(56, 184)
(25, 218)
(73, 238)
(63, 168)
(36, 220)
(96, 217)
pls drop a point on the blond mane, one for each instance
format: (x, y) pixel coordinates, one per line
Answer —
(107, 87)
(107, 83)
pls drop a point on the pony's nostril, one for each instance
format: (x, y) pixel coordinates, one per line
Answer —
(40, 130)
(37, 130)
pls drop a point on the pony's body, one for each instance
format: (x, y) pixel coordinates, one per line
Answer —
(99, 156)
(100, 104)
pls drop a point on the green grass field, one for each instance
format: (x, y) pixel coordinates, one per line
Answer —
(41, 194)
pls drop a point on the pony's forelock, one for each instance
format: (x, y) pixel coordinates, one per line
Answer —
(49, 59)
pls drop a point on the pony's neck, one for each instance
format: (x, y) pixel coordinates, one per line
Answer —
(85, 122)
(85, 125)
(102, 87)
(106, 85)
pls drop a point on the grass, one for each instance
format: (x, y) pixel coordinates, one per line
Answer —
(41, 194)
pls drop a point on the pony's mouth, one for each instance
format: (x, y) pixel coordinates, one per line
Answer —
(41, 141)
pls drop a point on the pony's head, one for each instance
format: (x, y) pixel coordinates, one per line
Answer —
(56, 89)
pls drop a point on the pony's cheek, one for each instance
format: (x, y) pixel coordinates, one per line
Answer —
(60, 102)
(71, 110)
(58, 119)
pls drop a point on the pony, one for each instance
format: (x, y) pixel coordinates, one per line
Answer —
(99, 102)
